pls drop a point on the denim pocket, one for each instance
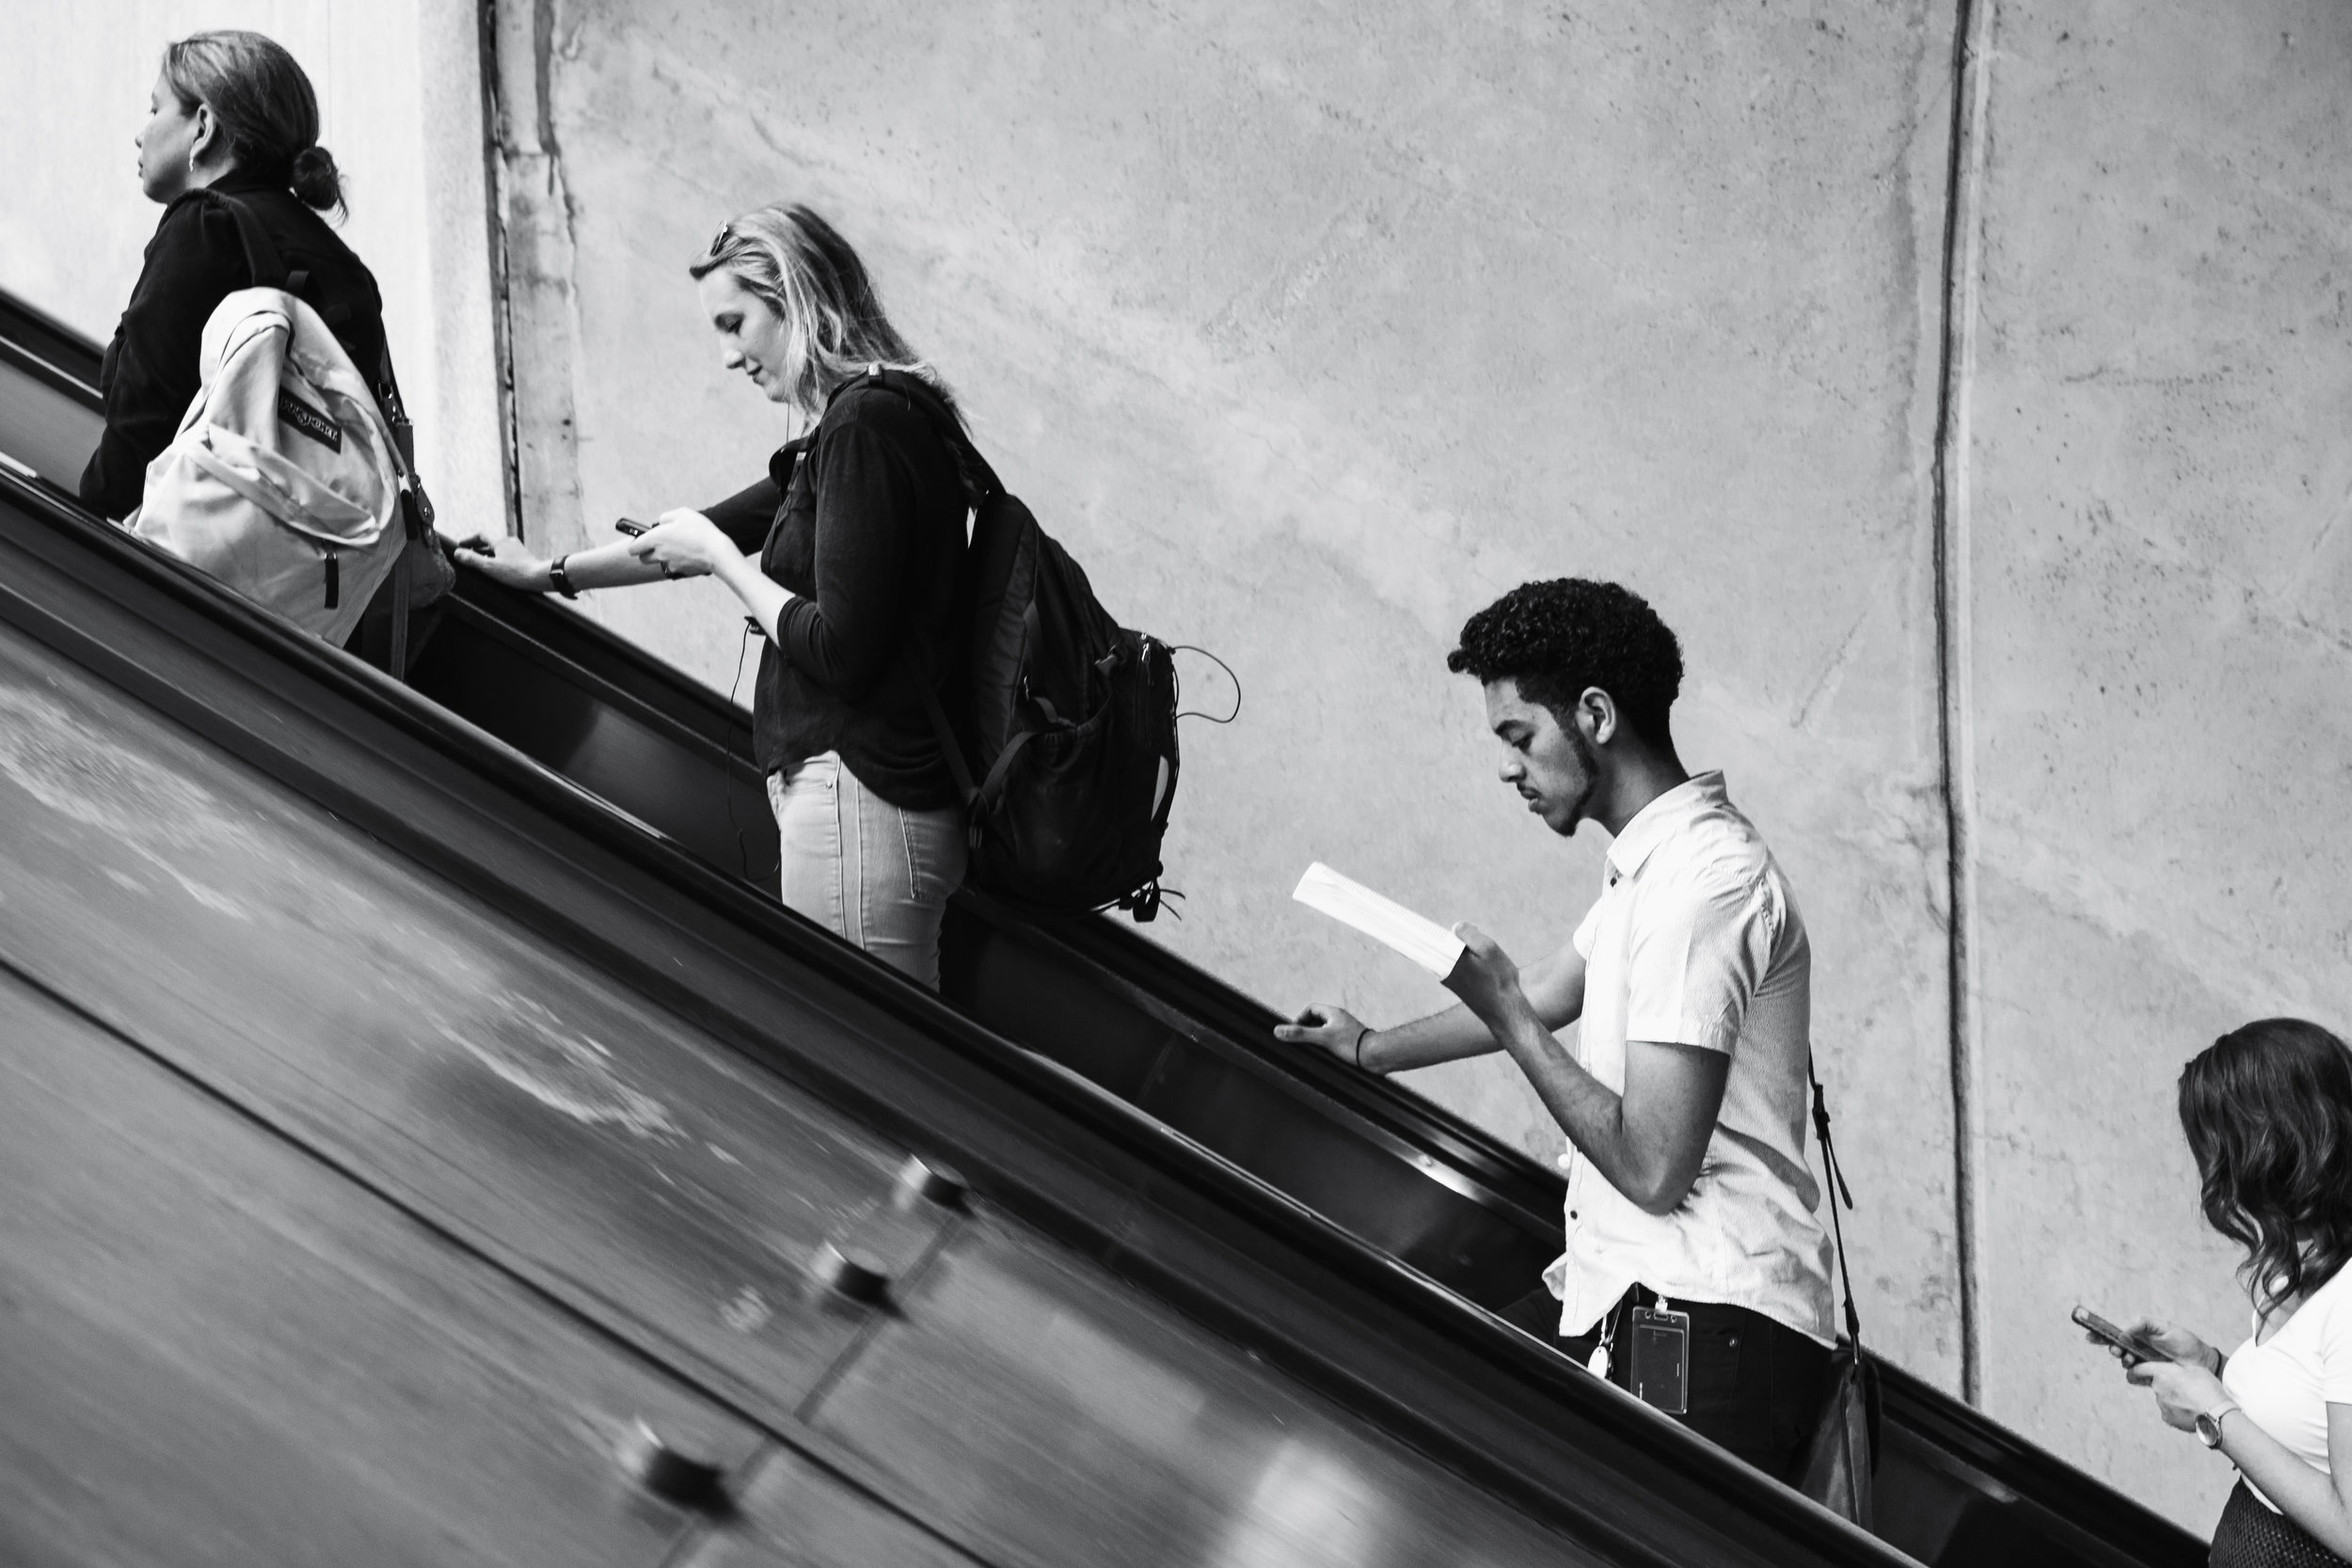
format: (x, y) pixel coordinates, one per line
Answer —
(936, 851)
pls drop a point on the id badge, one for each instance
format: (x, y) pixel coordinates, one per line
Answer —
(1661, 1359)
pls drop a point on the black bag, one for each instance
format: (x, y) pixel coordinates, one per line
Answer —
(1842, 1461)
(424, 572)
(1066, 720)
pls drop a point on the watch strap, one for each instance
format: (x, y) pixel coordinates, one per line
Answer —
(560, 579)
(2208, 1422)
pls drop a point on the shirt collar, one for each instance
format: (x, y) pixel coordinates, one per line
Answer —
(1657, 822)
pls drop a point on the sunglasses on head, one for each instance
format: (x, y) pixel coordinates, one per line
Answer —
(719, 241)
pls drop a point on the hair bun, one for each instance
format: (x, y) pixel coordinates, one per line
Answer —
(316, 179)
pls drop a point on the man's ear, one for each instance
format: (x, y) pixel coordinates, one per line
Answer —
(1597, 716)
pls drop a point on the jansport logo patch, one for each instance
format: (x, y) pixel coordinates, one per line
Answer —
(293, 411)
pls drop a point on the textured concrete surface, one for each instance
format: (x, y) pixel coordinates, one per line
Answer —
(2158, 560)
(400, 93)
(1312, 329)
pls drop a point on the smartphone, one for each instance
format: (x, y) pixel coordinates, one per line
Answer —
(632, 526)
(2107, 1332)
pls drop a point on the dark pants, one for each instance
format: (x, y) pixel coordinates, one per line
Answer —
(2250, 1536)
(1756, 1387)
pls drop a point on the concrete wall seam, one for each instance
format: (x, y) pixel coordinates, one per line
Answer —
(1963, 240)
(494, 239)
(536, 253)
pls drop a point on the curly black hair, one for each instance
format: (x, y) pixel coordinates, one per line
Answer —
(2268, 1113)
(1559, 638)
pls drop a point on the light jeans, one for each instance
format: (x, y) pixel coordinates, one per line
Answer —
(865, 869)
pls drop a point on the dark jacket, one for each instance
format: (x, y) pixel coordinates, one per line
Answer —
(863, 520)
(195, 261)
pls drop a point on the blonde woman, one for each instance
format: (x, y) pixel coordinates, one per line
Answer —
(846, 555)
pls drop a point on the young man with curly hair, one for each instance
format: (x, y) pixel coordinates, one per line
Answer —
(1684, 1102)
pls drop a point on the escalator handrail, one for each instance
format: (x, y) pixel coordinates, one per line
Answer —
(1400, 1119)
(658, 693)
(1519, 1374)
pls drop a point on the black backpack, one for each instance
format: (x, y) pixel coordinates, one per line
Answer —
(1066, 719)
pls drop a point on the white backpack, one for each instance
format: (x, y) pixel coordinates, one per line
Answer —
(284, 481)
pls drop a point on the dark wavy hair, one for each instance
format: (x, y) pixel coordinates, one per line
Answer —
(265, 108)
(1557, 637)
(2268, 1113)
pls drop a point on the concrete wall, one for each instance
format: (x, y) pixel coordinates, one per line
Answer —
(2154, 565)
(399, 92)
(1313, 327)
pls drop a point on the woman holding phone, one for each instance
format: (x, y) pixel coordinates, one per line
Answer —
(845, 555)
(2268, 1113)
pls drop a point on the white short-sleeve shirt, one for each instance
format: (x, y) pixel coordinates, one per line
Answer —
(2287, 1382)
(1696, 941)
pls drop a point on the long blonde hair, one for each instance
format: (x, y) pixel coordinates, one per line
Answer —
(800, 267)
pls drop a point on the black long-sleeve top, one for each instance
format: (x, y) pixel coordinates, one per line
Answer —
(863, 520)
(196, 260)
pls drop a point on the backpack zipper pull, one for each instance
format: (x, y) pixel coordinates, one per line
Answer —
(334, 580)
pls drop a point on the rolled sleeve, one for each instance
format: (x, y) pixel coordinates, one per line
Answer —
(845, 635)
(1699, 949)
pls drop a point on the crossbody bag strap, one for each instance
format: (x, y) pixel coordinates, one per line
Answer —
(1838, 1191)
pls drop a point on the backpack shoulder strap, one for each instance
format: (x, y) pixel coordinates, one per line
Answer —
(1838, 1191)
(261, 252)
(933, 407)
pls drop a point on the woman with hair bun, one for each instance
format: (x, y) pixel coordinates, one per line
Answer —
(231, 114)
(2267, 1109)
(844, 556)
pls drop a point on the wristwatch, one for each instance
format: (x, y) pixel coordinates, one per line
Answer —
(560, 578)
(2209, 1423)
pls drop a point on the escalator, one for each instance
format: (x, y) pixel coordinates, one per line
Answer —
(1210, 1302)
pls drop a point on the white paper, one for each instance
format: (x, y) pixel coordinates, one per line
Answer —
(1419, 938)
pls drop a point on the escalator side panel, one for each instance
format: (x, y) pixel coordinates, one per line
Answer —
(1396, 1206)
(795, 1516)
(1957, 1488)
(640, 757)
(1375, 1192)
(625, 1160)
(1095, 1176)
(214, 1352)
(52, 435)
(1938, 1447)
(998, 980)
(1121, 955)
(1071, 1389)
